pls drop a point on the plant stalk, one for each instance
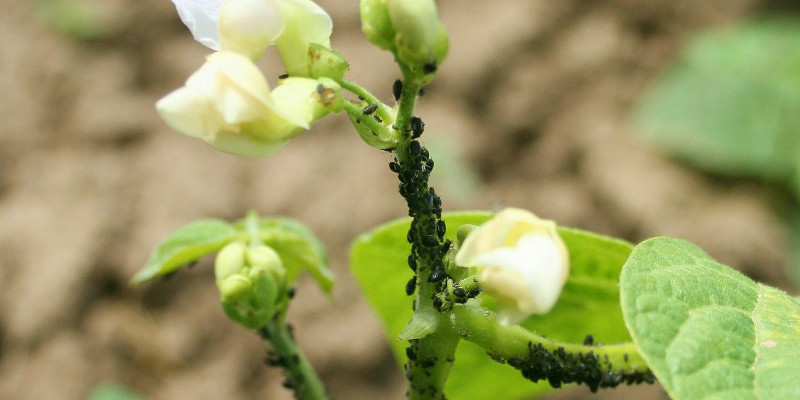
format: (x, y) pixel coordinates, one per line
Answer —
(285, 353)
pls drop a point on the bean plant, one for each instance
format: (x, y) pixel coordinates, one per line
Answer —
(478, 304)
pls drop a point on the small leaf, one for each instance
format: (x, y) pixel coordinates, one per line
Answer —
(707, 331)
(589, 303)
(186, 245)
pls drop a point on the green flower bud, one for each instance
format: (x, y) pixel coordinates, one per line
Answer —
(234, 288)
(251, 295)
(411, 30)
(230, 260)
(265, 259)
(419, 32)
(464, 231)
(325, 62)
(376, 25)
(265, 294)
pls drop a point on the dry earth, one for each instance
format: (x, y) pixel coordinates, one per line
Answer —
(529, 109)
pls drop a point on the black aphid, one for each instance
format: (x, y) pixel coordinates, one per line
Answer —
(411, 353)
(460, 292)
(437, 276)
(446, 246)
(441, 228)
(429, 68)
(397, 89)
(411, 286)
(430, 241)
(320, 88)
(395, 167)
(370, 109)
(588, 340)
(417, 127)
(415, 148)
(283, 76)
(437, 303)
(412, 262)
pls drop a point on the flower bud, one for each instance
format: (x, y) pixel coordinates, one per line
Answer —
(265, 259)
(234, 288)
(248, 27)
(250, 293)
(376, 25)
(520, 260)
(419, 32)
(410, 29)
(230, 260)
(463, 232)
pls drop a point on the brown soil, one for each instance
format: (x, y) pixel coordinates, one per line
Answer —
(530, 109)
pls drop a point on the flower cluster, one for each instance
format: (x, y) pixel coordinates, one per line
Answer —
(251, 282)
(521, 261)
(228, 102)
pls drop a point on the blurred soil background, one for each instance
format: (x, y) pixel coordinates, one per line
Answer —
(529, 110)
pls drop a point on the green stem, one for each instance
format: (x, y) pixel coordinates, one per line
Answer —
(541, 358)
(431, 356)
(407, 103)
(284, 352)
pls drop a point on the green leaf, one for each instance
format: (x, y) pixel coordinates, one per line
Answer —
(731, 103)
(707, 331)
(186, 245)
(112, 391)
(589, 303)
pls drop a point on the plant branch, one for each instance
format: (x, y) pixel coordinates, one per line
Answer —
(284, 353)
(597, 366)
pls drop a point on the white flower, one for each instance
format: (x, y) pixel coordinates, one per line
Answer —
(250, 26)
(228, 104)
(521, 261)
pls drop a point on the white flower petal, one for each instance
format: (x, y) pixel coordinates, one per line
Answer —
(249, 26)
(188, 111)
(201, 17)
(237, 143)
(521, 261)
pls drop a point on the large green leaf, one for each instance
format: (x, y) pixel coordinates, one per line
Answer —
(186, 245)
(589, 303)
(707, 331)
(731, 103)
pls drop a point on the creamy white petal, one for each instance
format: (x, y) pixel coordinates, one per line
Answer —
(249, 26)
(188, 111)
(201, 17)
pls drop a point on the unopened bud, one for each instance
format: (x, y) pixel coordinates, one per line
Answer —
(234, 288)
(230, 260)
(376, 25)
